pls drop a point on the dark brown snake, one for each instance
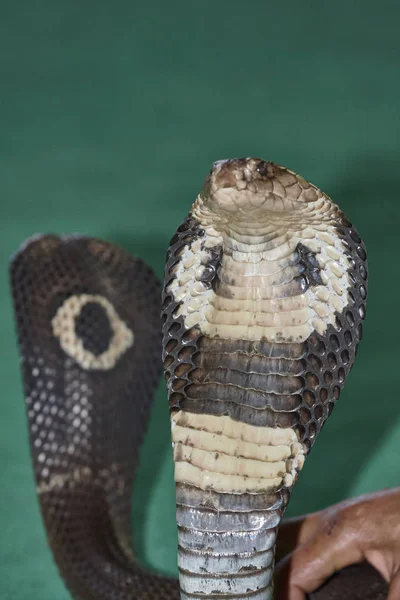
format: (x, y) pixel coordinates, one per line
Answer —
(262, 309)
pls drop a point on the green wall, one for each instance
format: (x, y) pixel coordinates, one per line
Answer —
(111, 114)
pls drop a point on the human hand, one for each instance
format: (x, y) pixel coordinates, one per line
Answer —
(317, 545)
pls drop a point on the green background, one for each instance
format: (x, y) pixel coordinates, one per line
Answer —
(111, 114)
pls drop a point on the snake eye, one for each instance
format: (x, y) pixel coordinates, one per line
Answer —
(262, 168)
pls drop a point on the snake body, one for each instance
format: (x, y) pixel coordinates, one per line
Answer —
(264, 299)
(262, 308)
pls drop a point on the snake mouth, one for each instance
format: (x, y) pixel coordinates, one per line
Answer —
(255, 189)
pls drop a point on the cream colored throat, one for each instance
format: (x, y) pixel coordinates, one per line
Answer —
(257, 292)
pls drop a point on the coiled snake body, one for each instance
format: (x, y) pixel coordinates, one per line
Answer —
(262, 309)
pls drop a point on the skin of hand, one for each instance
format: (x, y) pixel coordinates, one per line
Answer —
(313, 547)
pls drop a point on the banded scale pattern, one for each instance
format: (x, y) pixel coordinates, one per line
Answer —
(263, 302)
(87, 316)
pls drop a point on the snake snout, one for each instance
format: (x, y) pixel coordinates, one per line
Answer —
(256, 188)
(230, 172)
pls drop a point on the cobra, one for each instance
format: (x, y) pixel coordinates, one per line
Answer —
(262, 308)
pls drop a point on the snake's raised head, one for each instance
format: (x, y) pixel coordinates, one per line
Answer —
(253, 189)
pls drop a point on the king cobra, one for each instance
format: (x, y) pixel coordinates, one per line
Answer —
(262, 309)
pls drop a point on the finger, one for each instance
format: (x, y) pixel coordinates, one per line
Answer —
(284, 590)
(330, 549)
(294, 532)
(394, 590)
(289, 534)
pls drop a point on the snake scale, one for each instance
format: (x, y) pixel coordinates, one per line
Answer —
(262, 309)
